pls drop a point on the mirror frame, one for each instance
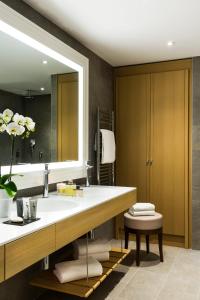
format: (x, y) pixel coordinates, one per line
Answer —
(27, 32)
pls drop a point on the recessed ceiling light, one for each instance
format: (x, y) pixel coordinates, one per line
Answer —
(44, 62)
(42, 89)
(170, 43)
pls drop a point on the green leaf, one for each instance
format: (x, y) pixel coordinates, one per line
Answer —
(10, 193)
(10, 188)
(6, 177)
(11, 185)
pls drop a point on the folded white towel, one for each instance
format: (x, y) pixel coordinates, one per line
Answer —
(108, 146)
(94, 246)
(139, 206)
(76, 269)
(101, 256)
(141, 213)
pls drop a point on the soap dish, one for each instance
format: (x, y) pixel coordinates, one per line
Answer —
(25, 222)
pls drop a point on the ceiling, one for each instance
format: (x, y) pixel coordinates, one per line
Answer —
(22, 68)
(127, 32)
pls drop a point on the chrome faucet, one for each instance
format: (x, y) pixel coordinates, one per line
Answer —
(88, 167)
(46, 181)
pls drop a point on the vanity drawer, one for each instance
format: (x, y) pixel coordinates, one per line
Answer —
(1, 263)
(26, 251)
(74, 227)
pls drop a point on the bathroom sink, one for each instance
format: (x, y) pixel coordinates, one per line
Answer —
(99, 191)
(53, 205)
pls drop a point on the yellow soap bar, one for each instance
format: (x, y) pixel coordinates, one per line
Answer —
(61, 188)
(69, 190)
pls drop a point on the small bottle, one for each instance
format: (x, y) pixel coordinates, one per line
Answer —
(70, 188)
(61, 188)
(33, 209)
(79, 191)
(19, 203)
(26, 208)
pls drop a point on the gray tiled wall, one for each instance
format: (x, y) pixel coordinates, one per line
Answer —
(196, 155)
(42, 117)
(15, 103)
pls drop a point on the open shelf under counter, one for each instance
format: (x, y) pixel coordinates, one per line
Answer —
(82, 288)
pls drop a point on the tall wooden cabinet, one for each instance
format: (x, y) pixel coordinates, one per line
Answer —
(133, 130)
(152, 134)
(67, 121)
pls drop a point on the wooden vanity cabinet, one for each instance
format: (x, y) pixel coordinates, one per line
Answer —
(26, 251)
(74, 227)
(1, 263)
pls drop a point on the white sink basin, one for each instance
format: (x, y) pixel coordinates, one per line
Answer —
(55, 205)
(99, 191)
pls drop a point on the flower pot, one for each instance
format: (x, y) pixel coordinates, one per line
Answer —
(5, 204)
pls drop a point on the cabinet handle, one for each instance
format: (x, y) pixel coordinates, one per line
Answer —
(147, 162)
(151, 162)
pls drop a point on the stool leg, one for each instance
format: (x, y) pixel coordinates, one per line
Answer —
(137, 249)
(147, 243)
(126, 237)
(160, 242)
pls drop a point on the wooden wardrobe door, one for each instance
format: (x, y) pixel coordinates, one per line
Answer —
(169, 148)
(67, 109)
(132, 132)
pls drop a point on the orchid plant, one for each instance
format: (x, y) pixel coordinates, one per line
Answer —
(14, 125)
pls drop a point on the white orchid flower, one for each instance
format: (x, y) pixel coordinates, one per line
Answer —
(21, 130)
(31, 126)
(1, 119)
(16, 124)
(7, 115)
(15, 129)
(3, 128)
(29, 123)
(19, 119)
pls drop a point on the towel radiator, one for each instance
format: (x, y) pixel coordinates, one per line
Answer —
(105, 172)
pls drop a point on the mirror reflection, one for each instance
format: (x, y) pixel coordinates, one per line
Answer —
(46, 91)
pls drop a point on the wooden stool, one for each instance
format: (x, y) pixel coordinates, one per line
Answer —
(143, 225)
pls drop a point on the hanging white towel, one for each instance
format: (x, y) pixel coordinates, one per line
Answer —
(76, 269)
(94, 246)
(141, 206)
(108, 146)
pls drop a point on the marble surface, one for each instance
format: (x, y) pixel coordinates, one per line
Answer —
(57, 208)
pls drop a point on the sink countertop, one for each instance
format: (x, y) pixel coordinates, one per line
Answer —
(93, 196)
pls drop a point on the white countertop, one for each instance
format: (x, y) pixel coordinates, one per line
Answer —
(93, 196)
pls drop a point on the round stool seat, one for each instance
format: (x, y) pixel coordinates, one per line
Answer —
(143, 222)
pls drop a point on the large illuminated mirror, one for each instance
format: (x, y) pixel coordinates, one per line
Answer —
(34, 85)
(48, 83)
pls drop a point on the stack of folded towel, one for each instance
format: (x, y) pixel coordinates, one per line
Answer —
(142, 209)
(76, 269)
(98, 249)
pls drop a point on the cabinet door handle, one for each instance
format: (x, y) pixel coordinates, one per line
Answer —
(147, 162)
(151, 162)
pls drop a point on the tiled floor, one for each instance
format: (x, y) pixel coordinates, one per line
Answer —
(178, 278)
